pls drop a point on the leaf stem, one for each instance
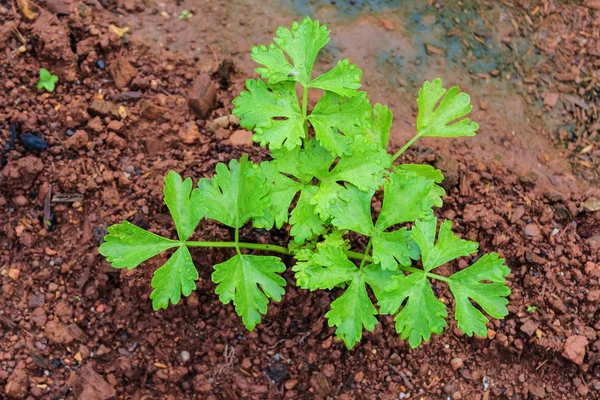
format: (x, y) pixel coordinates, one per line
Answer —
(305, 108)
(265, 247)
(240, 245)
(358, 256)
(366, 254)
(406, 146)
(237, 241)
(428, 274)
(304, 102)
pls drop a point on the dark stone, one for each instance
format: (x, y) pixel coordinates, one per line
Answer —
(277, 371)
(33, 142)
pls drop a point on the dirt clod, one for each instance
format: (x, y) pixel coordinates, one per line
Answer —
(58, 333)
(78, 141)
(103, 109)
(17, 385)
(122, 72)
(529, 327)
(241, 137)
(202, 97)
(574, 348)
(457, 363)
(88, 385)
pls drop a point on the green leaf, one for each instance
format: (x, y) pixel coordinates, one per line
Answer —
(287, 162)
(423, 170)
(377, 278)
(47, 80)
(344, 79)
(235, 195)
(393, 248)
(303, 218)
(468, 284)
(336, 120)
(127, 246)
(273, 112)
(352, 210)
(326, 195)
(281, 192)
(439, 122)
(185, 205)
(277, 67)
(178, 276)
(302, 44)
(364, 168)
(381, 124)
(422, 315)
(352, 311)
(325, 268)
(407, 197)
(315, 160)
(312, 161)
(448, 247)
(45, 75)
(238, 279)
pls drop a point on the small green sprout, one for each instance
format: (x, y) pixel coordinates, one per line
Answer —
(47, 80)
(531, 309)
(185, 14)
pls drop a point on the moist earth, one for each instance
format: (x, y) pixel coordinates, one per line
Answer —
(124, 113)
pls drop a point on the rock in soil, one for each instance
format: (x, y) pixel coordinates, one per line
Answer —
(60, 7)
(202, 97)
(16, 387)
(78, 141)
(241, 137)
(457, 363)
(54, 46)
(33, 142)
(574, 349)
(116, 141)
(529, 327)
(122, 72)
(88, 385)
(58, 333)
(104, 108)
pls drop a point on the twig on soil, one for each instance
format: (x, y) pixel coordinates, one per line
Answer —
(276, 343)
(303, 337)
(541, 364)
(229, 354)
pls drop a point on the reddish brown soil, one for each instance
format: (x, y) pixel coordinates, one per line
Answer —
(73, 327)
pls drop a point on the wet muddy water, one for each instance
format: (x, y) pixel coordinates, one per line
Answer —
(398, 45)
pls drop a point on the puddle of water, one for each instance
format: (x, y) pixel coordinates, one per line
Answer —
(398, 45)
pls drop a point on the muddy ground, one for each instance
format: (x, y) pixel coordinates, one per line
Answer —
(100, 144)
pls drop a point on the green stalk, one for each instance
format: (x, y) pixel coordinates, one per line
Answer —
(428, 274)
(305, 108)
(264, 247)
(237, 241)
(406, 146)
(367, 250)
(304, 101)
(241, 245)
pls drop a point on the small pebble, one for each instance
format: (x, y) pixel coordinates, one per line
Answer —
(457, 363)
(100, 64)
(33, 142)
(185, 356)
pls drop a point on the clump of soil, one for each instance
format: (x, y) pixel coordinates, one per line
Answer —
(118, 121)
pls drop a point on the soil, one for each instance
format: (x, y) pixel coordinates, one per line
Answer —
(126, 110)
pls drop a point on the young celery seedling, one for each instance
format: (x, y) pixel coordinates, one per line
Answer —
(327, 164)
